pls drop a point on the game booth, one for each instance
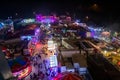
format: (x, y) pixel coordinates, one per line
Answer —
(20, 67)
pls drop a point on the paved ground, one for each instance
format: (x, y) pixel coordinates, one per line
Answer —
(36, 68)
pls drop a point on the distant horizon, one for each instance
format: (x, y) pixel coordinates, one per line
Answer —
(26, 8)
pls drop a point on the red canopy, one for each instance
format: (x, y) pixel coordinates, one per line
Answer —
(68, 76)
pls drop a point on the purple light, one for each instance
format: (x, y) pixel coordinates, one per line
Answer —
(38, 30)
(34, 40)
(45, 19)
(39, 17)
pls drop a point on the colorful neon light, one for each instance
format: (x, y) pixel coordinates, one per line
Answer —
(45, 19)
(23, 73)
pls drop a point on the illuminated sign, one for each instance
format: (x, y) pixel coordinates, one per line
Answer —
(51, 45)
(26, 37)
(53, 61)
(28, 20)
(88, 34)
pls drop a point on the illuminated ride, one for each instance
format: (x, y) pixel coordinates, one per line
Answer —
(20, 67)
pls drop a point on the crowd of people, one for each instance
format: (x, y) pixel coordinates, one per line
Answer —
(41, 68)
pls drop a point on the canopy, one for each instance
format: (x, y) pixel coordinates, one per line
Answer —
(68, 76)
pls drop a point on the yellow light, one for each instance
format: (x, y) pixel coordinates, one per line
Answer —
(105, 51)
(25, 72)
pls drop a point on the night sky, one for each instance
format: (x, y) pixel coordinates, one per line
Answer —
(25, 8)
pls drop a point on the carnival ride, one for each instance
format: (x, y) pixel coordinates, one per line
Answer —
(20, 67)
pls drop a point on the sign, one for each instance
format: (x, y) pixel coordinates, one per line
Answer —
(76, 65)
(88, 34)
(63, 69)
(51, 45)
(53, 61)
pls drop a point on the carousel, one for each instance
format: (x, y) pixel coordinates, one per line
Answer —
(20, 66)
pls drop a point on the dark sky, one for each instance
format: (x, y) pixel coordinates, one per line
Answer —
(26, 7)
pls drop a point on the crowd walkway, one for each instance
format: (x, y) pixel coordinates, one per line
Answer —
(40, 68)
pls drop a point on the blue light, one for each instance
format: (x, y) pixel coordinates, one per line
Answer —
(1, 25)
(26, 37)
(77, 21)
(29, 37)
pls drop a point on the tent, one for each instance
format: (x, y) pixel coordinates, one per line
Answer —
(68, 76)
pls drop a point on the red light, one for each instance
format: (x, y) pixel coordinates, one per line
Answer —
(30, 51)
(4, 49)
(119, 63)
(55, 79)
(38, 46)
